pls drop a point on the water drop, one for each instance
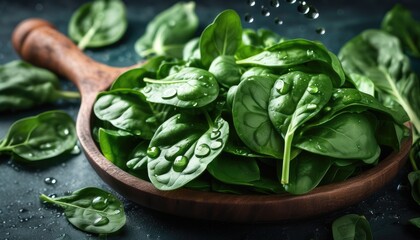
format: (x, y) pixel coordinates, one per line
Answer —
(100, 221)
(310, 53)
(320, 31)
(215, 134)
(45, 146)
(250, 2)
(291, 1)
(303, 7)
(22, 210)
(248, 18)
(311, 106)
(99, 203)
(194, 104)
(180, 163)
(50, 181)
(282, 87)
(264, 11)
(216, 144)
(202, 150)
(147, 89)
(169, 93)
(275, 3)
(52, 195)
(313, 89)
(153, 152)
(76, 150)
(327, 108)
(278, 21)
(312, 13)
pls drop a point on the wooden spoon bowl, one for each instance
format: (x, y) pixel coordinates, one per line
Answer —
(40, 44)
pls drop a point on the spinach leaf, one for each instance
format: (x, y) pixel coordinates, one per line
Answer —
(92, 210)
(191, 50)
(225, 70)
(127, 110)
(41, 137)
(168, 32)
(351, 226)
(189, 88)
(251, 118)
(222, 37)
(294, 52)
(378, 56)
(131, 79)
(24, 86)
(181, 149)
(295, 98)
(231, 169)
(306, 172)
(138, 157)
(415, 222)
(347, 136)
(98, 23)
(400, 23)
(116, 145)
(414, 179)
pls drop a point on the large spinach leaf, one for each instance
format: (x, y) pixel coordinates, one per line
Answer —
(295, 98)
(181, 149)
(41, 137)
(351, 226)
(92, 210)
(98, 23)
(168, 32)
(378, 55)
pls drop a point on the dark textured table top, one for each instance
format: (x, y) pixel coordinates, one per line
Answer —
(23, 216)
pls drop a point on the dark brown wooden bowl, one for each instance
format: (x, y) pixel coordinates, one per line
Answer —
(39, 43)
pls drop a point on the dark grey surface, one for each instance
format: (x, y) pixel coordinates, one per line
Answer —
(23, 216)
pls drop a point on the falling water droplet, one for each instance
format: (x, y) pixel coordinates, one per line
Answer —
(291, 1)
(248, 18)
(50, 181)
(303, 7)
(320, 31)
(275, 3)
(278, 21)
(264, 11)
(312, 13)
(250, 2)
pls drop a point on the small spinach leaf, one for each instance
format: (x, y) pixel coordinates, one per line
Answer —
(351, 226)
(23, 86)
(98, 23)
(92, 210)
(127, 110)
(226, 71)
(222, 37)
(168, 32)
(415, 222)
(41, 137)
(181, 149)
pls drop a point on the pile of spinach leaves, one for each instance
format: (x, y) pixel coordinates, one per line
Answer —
(240, 111)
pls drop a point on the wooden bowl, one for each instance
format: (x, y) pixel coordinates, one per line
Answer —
(39, 43)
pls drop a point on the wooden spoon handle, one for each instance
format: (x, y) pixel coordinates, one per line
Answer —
(37, 42)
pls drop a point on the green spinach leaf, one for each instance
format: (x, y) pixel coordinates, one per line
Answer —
(98, 23)
(414, 178)
(41, 137)
(226, 71)
(23, 86)
(400, 23)
(92, 210)
(168, 32)
(415, 222)
(181, 149)
(351, 226)
(222, 37)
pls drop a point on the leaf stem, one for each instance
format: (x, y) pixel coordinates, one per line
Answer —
(69, 94)
(91, 32)
(286, 158)
(150, 80)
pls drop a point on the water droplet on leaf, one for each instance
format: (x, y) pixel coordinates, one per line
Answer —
(100, 221)
(313, 89)
(202, 150)
(180, 163)
(153, 152)
(215, 134)
(216, 144)
(311, 106)
(169, 93)
(99, 203)
(282, 87)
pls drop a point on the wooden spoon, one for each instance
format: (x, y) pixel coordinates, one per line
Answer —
(39, 43)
